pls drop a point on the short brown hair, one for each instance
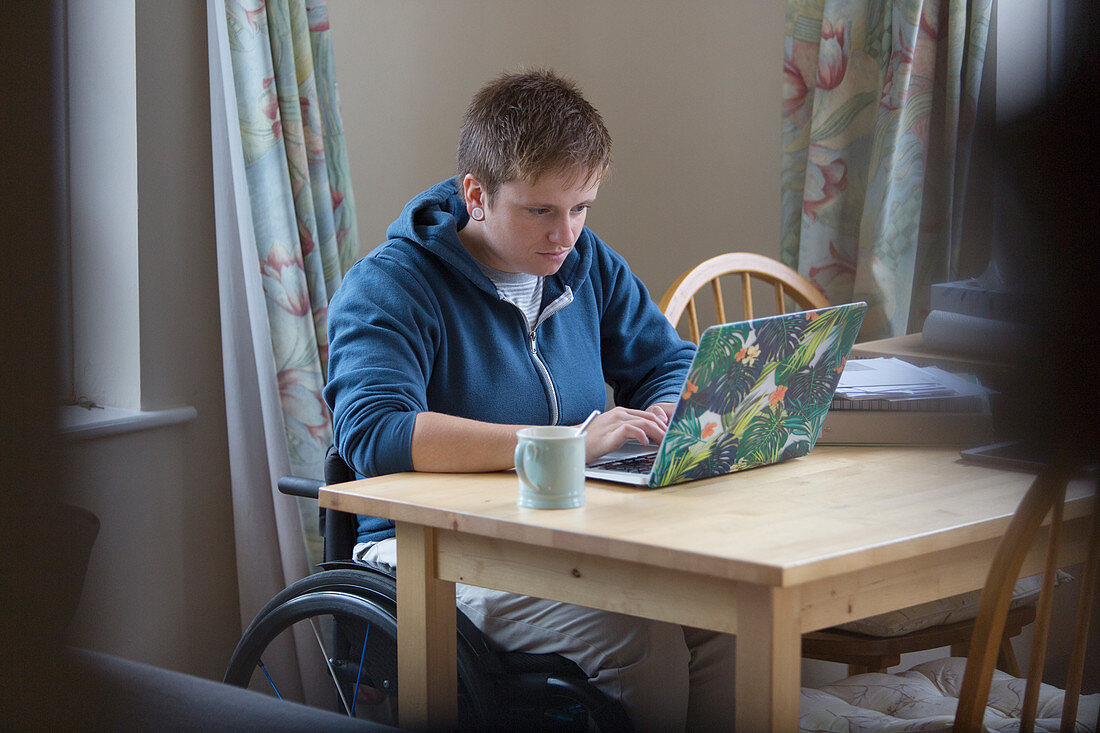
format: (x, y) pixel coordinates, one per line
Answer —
(525, 125)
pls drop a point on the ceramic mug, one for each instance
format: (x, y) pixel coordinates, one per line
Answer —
(550, 465)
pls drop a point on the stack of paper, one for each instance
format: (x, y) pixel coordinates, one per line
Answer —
(896, 380)
(889, 401)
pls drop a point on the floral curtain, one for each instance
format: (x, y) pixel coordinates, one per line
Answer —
(286, 232)
(879, 103)
(302, 205)
(300, 194)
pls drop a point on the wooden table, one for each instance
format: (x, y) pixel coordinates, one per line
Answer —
(767, 554)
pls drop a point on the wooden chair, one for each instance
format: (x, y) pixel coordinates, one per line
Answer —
(787, 283)
(869, 653)
(878, 700)
(862, 652)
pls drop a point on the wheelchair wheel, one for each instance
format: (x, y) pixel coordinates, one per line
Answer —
(351, 617)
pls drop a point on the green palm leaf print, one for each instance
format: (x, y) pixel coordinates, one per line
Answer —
(757, 393)
(715, 354)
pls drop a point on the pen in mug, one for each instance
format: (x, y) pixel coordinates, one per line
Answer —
(587, 420)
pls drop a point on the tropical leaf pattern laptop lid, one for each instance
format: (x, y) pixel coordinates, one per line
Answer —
(757, 393)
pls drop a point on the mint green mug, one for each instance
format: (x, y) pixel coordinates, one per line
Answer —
(550, 465)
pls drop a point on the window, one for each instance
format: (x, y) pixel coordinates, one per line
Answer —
(96, 101)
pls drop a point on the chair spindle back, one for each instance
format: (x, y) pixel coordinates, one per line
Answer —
(1046, 496)
(680, 296)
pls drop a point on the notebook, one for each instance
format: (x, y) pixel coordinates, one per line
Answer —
(756, 393)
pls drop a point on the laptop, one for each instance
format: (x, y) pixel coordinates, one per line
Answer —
(756, 393)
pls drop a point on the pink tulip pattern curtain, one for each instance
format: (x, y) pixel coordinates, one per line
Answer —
(879, 102)
(300, 194)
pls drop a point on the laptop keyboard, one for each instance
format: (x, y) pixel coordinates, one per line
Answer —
(635, 464)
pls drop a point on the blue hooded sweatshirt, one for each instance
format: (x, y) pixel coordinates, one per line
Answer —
(416, 326)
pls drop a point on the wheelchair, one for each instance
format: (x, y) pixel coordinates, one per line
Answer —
(351, 610)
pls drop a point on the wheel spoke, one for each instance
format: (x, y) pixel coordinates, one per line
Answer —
(331, 671)
(270, 681)
(359, 672)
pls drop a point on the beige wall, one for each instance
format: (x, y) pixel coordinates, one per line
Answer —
(690, 92)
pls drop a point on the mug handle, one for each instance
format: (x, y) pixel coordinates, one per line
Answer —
(522, 449)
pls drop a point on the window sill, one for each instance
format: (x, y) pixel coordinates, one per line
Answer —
(79, 423)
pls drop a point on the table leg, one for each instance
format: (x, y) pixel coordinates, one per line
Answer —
(426, 668)
(769, 666)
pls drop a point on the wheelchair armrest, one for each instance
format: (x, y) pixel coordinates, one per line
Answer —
(298, 486)
(336, 472)
(337, 528)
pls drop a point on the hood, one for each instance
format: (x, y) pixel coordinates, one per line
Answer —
(433, 218)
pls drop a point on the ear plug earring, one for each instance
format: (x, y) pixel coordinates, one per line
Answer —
(478, 214)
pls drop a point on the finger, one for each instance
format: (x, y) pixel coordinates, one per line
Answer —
(630, 414)
(621, 424)
(655, 432)
(609, 420)
(604, 438)
(623, 433)
(660, 412)
(645, 430)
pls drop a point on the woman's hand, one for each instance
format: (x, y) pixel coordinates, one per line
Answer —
(663, 409)
(609, 430)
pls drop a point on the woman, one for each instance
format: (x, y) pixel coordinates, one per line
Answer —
(490, 308)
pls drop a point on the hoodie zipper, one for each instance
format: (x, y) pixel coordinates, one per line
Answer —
(545, 377)
(562, 300)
